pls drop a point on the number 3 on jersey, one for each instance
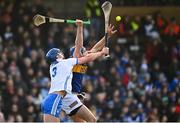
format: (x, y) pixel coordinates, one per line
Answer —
(54, 71)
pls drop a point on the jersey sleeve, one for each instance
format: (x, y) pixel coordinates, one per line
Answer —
(72, 61)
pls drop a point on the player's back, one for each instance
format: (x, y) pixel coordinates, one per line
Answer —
(78, 73)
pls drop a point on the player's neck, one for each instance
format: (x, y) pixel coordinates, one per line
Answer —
(59, 59)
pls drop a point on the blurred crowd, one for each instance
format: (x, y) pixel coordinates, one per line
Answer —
(140, 82)
(145, 2)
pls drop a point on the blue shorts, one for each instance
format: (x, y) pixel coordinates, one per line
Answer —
(52, 105)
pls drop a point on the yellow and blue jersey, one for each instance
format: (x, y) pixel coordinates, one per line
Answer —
(78, 72)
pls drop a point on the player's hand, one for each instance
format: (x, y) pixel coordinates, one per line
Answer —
(79, 23)
(111, 30)
(105, 51)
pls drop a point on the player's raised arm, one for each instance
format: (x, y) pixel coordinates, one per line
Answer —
(92, 56)
(79, 39)
(100, 44)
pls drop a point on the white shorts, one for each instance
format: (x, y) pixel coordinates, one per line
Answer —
(70, 102)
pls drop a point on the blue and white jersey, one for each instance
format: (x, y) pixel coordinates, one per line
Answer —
(61, 75)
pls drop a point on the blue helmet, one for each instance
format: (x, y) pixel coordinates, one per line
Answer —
(72, 49)
(51, 55)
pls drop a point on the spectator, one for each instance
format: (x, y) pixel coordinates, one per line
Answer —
(129, 87)
(150, 29)
(172, 29)
(175, 82)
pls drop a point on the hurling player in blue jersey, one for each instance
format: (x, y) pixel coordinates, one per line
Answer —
(79, 70)
(79, 51)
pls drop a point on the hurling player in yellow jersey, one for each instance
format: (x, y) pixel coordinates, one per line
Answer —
(82, 114)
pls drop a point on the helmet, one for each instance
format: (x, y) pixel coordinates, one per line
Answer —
(51, 54)
(72, 49)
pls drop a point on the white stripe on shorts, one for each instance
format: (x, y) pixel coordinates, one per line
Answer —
(55, 107)
(56, 101)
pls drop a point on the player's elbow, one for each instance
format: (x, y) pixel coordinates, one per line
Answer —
(94, 120)
(77, 55)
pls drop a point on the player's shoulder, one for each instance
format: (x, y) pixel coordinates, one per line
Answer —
(59, 61)
(70, 61)
(54, 63)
